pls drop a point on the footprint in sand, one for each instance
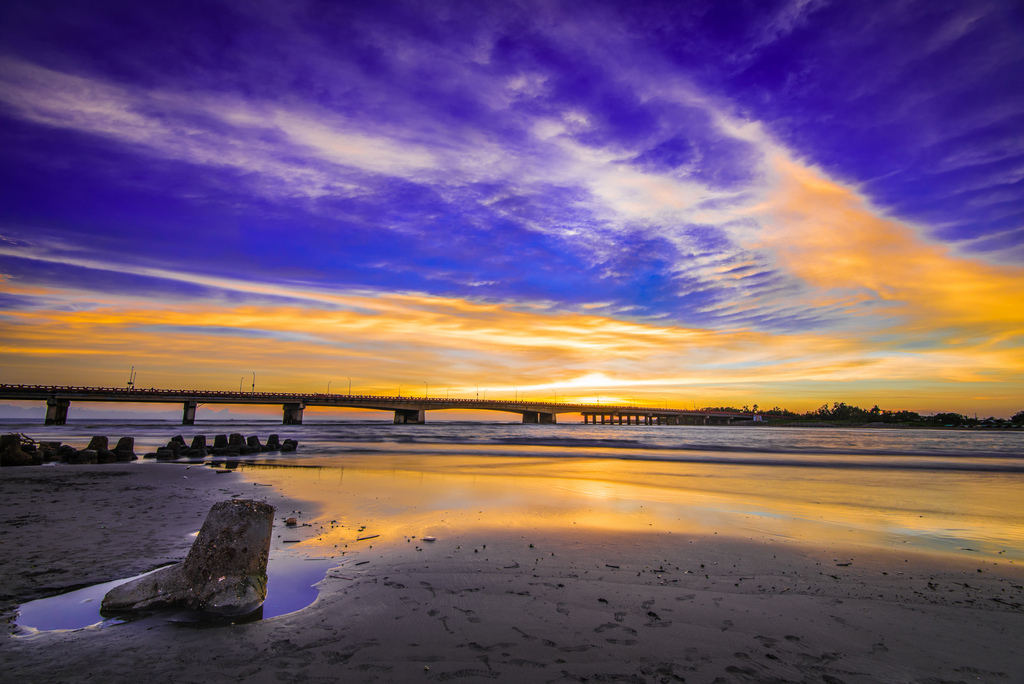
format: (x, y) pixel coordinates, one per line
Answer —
(619, 617)
(577, 649)
(462, 674)
(561, 608)
(621, 642)
(528, 637)
(485, 649)
(519, 662)
(790, 637)
(727, 625)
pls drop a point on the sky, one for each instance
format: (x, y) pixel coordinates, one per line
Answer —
(782, 203)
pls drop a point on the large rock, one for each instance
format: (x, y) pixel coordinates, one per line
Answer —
(198, 448)
(125, 449)
(225, 571)
(84, 456)
(11, 453)
(97, 443)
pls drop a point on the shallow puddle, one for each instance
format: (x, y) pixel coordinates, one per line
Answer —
(290, 588)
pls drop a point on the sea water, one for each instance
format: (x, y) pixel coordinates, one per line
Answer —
(944, 491)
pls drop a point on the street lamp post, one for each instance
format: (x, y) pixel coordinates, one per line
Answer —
(254, 382)
(349, 385)
(447, 392)
(477, 392)
(425, 389)
(400, 391)
(240, 384)
(329, 388)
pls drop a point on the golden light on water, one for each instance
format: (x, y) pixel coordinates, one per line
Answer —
(400, 496)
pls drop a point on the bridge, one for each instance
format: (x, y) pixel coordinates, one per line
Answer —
(408, 410)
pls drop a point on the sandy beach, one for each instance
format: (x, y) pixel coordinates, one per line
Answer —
(495, 597)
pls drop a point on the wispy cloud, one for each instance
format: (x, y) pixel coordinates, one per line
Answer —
(802, 191)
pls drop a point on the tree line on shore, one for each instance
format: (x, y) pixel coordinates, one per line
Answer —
(841, 412)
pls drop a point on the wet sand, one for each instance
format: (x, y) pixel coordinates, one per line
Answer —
(66, 527)
(503, 596)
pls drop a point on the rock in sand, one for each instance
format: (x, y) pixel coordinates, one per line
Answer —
(224, 573)
(11, 453)
(125, 449)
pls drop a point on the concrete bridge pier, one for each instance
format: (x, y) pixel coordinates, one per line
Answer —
(539, 417)
(57, 411)
(188, 414)
(293, 413)
(410, 417)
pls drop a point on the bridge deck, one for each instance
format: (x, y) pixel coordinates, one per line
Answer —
(59, 397)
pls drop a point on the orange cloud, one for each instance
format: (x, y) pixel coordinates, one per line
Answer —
(830, 237)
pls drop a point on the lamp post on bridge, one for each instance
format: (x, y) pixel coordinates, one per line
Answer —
(254, 382)
(400, 391)
(329, 388)
(349, 385)
(446, 392)
(425, 389)
(240, 384)
(477, 392)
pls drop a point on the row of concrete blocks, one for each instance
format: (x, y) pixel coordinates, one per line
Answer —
(18, 450)
(223, 445)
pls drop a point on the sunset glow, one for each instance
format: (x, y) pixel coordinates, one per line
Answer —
(805, 203)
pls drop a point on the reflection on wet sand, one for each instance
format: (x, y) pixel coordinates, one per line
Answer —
(401, 496)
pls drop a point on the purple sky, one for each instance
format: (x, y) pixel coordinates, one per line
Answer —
(654, 164)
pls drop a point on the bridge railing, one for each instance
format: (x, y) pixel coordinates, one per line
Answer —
(341, 398)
